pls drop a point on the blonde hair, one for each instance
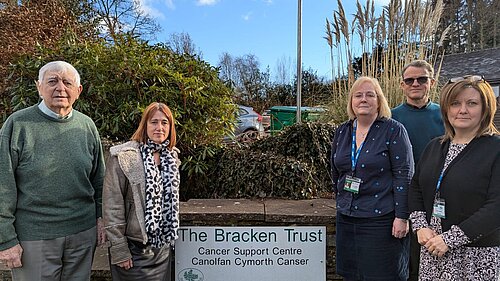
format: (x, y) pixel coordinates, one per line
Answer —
(449, 93)
(383, 107)
(141, 134)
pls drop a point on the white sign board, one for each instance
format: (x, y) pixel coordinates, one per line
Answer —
(251, 253)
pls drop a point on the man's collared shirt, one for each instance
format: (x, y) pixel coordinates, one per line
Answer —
(43, 107)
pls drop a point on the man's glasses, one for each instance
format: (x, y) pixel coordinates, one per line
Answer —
(468, 78)
(421, 80)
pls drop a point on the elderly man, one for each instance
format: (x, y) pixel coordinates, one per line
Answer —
(51, 174)
(422, 120)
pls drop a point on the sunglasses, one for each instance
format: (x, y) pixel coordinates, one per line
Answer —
(468, 78)
(421, 80)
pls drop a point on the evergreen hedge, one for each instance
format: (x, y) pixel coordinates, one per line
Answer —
(294, 164)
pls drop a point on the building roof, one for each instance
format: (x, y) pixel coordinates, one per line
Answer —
(483, 62)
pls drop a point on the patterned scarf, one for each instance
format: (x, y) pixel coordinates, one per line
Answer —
(162, 194)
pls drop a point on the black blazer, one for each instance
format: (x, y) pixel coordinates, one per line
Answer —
(470, 187)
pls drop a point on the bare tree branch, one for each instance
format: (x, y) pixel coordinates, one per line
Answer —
(124, 17)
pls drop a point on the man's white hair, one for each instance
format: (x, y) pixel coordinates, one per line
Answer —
(59, 66)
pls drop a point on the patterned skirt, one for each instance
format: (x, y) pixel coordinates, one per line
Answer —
(462, 263)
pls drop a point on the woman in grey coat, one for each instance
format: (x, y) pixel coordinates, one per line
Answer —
(141, 199)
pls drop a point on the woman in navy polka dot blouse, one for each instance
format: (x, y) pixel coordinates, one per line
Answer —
(372, 164)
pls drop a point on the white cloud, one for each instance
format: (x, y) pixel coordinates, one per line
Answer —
(170, 4)
(148, 8)
(206, 2)
(268, 2)
(247, 16)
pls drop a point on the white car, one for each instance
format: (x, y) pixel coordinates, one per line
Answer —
(248, 121)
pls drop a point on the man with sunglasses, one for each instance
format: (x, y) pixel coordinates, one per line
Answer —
(420, 116)
(422, 120)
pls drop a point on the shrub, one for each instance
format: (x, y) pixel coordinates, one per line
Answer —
(294, 164)
(247, 173)
(309, 143)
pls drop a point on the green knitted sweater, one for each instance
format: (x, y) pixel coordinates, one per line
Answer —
(51, 174)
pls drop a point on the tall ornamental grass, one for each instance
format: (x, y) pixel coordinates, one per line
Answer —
(404, 31)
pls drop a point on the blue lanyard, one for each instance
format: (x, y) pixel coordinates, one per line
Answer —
(440, 179)
(354, 154)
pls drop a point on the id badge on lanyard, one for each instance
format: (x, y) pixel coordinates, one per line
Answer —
(438, 209)
(353, 183)
(439, 206)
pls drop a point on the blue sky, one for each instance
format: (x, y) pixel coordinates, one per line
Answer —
(264, 28)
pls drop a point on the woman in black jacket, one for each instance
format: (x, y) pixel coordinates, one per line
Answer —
(454, 196)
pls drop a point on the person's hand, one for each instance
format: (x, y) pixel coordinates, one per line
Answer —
(436, 246)
(126, 264)
(424, 234)
(101, 232)
(11, 257)
(400, 228)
